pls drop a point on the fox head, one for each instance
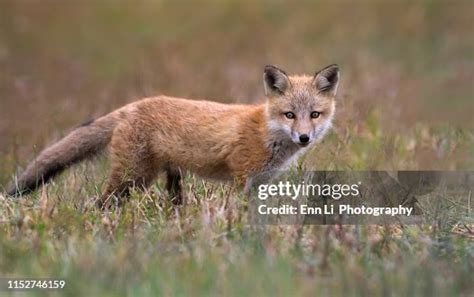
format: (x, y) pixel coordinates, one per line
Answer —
(301, 107)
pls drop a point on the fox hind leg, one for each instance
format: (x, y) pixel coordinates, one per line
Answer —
(121, 179)
(132, 165)
(174, 186)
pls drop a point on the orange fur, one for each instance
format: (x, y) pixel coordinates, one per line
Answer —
(213, 140)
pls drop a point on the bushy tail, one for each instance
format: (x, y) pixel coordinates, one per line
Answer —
(82, 143)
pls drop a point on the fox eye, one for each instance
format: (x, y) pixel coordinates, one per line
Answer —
(315, 114)
(289, 115)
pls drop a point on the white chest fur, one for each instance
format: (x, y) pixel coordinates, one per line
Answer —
(283, 152)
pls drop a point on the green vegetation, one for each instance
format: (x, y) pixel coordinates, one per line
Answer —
(206, 247)
(406, 102)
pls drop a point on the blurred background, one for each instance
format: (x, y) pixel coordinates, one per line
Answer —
(405, 101)
(406, 95)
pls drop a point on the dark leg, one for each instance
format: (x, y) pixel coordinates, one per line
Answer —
(173, 186)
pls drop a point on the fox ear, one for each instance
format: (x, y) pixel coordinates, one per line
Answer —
(275, 81)
(327, 79)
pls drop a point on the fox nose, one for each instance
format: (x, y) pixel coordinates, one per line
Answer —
(304, 138)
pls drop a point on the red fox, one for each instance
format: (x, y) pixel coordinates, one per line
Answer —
(213, 140)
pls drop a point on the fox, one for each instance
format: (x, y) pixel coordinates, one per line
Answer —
(222, 142)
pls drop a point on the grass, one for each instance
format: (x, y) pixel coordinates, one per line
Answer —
(207, 247)
(405, 103)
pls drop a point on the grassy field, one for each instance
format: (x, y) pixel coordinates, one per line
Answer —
(406, 101)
